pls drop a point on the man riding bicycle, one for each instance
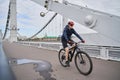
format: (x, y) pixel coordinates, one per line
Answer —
(66, 38)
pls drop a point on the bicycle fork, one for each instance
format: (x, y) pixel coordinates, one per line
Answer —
(81, 59)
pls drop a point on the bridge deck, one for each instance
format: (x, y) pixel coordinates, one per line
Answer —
(102, 70)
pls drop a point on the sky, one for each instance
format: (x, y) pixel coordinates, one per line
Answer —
(29, 20)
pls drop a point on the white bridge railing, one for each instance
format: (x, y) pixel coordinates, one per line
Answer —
(103, 52)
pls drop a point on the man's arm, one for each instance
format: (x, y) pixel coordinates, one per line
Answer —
(75, 33)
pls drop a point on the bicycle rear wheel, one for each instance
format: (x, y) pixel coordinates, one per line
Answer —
(61, 57)
(83, 63)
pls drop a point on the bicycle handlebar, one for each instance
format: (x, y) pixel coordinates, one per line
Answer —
(78, 42)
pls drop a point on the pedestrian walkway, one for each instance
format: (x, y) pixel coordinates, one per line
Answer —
(102, 69)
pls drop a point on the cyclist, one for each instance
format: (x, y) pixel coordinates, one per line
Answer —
(66, 38)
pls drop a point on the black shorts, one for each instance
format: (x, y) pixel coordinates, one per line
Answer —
(64, 42)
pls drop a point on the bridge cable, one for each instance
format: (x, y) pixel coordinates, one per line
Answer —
(7, 23)
(44, 26)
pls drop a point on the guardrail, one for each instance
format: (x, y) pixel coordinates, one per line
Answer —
(103, 52)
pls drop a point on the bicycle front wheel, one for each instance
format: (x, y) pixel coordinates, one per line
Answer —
(83, 63)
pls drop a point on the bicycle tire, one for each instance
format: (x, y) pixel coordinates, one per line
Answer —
(60, 56)
(83, 54)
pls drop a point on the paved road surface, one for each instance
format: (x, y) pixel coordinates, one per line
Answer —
(102, 70)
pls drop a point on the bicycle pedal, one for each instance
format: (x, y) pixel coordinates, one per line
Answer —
(70, 60)
(67, 64)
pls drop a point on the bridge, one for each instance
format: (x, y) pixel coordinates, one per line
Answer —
(19, 58)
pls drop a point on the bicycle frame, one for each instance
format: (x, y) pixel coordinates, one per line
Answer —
(73, 49)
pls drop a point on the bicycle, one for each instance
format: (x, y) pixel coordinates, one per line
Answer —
(82, 59)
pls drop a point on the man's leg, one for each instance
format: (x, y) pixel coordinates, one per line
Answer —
(65, 46)
(67, 54)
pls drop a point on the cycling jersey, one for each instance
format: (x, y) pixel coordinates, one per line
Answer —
(68, 32)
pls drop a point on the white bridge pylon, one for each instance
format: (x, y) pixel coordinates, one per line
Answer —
(13, 21)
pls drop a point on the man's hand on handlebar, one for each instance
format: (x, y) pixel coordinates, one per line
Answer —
(83, 41)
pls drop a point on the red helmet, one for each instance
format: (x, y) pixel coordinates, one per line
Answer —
(71, 23)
